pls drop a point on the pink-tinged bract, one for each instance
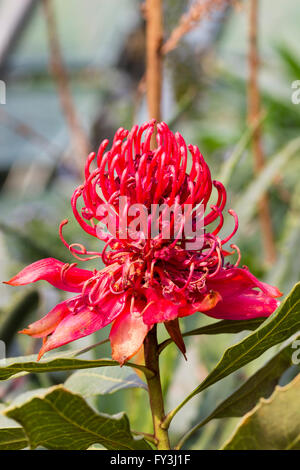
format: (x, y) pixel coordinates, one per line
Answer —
(146, 280)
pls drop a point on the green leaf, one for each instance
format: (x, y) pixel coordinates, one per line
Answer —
(259, 385)
(60, 419)
(230, 163)
(227, 326)
(12, 436)
(248, 202)
(286, 268)
(274, 424)
(276, 329)
(220, 327)
(14, 317)
(290, 61)
(101, 381)
(26, 242)
(17, 365)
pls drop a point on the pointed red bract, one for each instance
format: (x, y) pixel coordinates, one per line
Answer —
(46, 325)
(61, 275)
(147, 279)
(83, 321)
(173, 329)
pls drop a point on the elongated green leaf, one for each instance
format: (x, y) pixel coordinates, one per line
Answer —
(286, 268)
(229, 165)
(60, 419)
(259, 385)
(227, 326)
(12, 436)
(274, 424)
(279, 327)
(31, 246)
(289, 61)
(276, 329)
(104, 380)
(248, 202)
(18, 365)
(14, 317)
(221, 327)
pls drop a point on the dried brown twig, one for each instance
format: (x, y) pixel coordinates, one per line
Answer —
(79, 139)
(156, 50)
(254, 110)
(23, 129)
(199, 10)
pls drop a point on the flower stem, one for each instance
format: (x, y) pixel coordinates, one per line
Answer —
(155, 390)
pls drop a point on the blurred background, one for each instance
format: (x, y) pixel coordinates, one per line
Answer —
(74, 73)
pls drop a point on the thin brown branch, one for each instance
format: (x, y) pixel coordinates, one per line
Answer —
(23, 129)
(79, 139)
(199, 10)
(154, 38)
(254, 110)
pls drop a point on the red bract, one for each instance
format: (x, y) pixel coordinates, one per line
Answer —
(146, 280)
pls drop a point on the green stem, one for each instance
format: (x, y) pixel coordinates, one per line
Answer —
(155, 390)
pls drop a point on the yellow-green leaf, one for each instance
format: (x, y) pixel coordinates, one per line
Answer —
(279, 327)
(274, 424)
(59, 419)
(12, 436)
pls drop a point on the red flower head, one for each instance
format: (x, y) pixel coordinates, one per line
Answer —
(148, 278)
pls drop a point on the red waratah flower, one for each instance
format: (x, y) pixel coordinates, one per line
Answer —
(146, 280)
